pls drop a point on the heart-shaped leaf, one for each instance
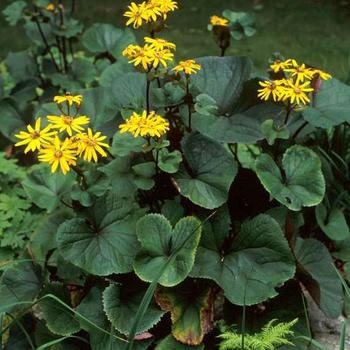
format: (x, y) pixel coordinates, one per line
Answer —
(170, 343)
(191, 306)
(301, 185)
(106, 242)
(272, 132)
(121, 303)
(210, 172)
(318, 275)
(333, 224)
(222, 78)
(258, 261)
(160, 242)
(332, 105)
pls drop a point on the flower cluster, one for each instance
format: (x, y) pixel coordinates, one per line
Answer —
(155, 52)
(219, 21)
(64, 139)
(149, 11)
(295, 85)
(145, 124)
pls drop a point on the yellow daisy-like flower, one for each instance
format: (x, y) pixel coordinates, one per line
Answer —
(273, 88)
(166, 6)
(159, 44)
(300, 72)
(131, 51)
(143, 57)
(136, 14)
(158, 57)
(323, 75)
(188, 67)
(67, 123)
(50, 7)
(153, 11)
(281, 65)
(70, 99)
(58, 154)
(91, 145)
(219, 21)
(298, 92)
(35, 138)
(145, 125)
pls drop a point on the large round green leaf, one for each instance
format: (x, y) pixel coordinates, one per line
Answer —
(160, 242)
(18, 283)
(258, 261)
(106, 242)
(332, 105)
(45, 189)
(301, 185)
(211, 169)
(121, 303)
(21, 66)
(170, 343)
(191, 306)
(10, 119)
(319, 277)
(103, 37)
(59, 320)
(222, 78)
(333, 224)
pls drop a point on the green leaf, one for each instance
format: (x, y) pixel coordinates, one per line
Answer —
(45, 189)
(333, 224)
(222, 78)
(18, 283)
(59, 320)
(319, 276)
(14, 12)
(105, 243)
(210, 172)
(331, 106)
(170, 343)
(192, 310)
(272, 133)
(168, 161)
(114, 71)
(303, 184)
(159, 240)
(21, 65)
(11, 121)
(121, 302)
(258, 261)
(143, 175)
(125, 144)
(102, 37)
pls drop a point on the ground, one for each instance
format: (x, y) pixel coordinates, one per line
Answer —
(314, 31)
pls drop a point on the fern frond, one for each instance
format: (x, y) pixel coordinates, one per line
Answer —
(271, 336)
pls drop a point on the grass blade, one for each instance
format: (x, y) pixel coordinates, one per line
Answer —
(315, 343)
(59, 340)
(343, 336)
(345, 285)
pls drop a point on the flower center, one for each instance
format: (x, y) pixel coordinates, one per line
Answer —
(298, 91)
(35, 135)
(91, 142)
(67, 120)
(58, 154)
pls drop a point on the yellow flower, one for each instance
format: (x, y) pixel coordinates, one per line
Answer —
(298, 92)
(50, 7)
(35, 138)
(67, 123)
(131, 51)
(275, 88)
(153, 11)
(219, 21)
(58, 154)
(70, 99)
(142, 57)
(136, 14)
(158, 57)
(188, 67)
(300, 72)
(323, 75)
(91, 145)
(166, 6)
(281, 65)
(145, 125)
(159, 44)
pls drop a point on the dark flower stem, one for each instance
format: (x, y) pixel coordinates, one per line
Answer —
(148, 85)
(188, 98)
(82, 177)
